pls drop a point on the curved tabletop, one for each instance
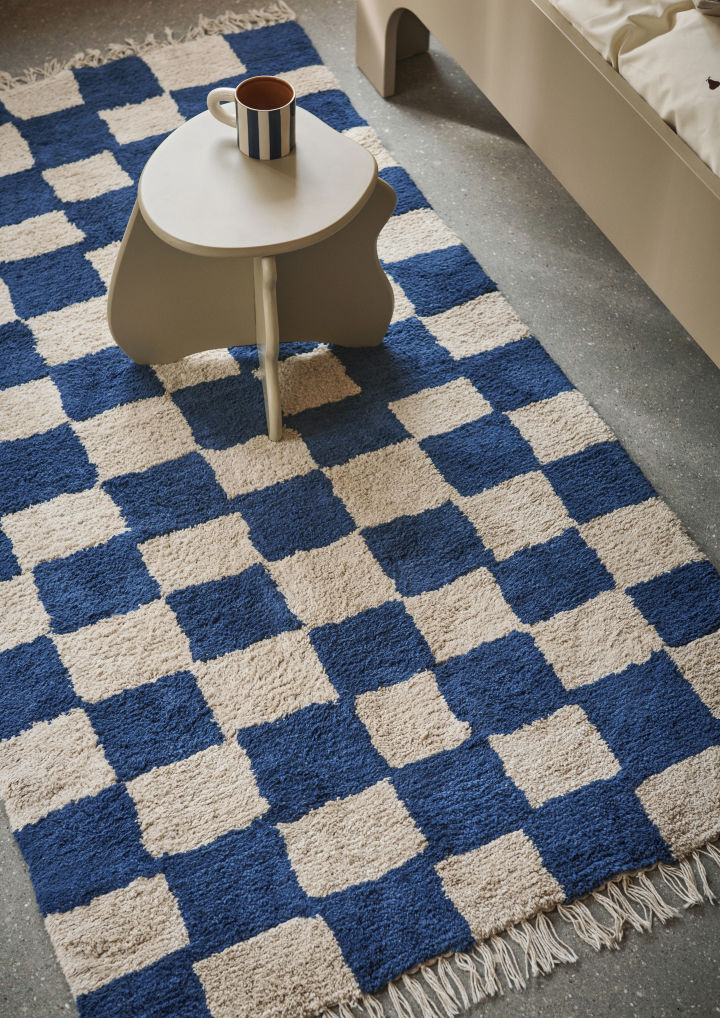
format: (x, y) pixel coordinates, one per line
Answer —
(200, 194)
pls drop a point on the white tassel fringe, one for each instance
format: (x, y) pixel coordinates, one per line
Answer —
(447, 986)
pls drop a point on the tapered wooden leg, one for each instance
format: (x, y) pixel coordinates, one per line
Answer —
(268, 341)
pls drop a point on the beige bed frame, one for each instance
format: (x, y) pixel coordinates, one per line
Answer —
(643, 186)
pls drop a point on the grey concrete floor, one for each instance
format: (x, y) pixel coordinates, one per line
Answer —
(612, 337)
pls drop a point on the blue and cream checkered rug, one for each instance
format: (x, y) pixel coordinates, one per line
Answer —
(281, 723)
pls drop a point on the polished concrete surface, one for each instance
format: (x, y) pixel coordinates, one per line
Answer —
(612, 337)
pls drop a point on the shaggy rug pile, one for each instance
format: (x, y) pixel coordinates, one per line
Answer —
(282, 723)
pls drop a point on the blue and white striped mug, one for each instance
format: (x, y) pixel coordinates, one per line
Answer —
(264, 115)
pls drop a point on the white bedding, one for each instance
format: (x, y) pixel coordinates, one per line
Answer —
(665, 49)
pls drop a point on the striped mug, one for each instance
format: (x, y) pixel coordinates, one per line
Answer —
(264, 115)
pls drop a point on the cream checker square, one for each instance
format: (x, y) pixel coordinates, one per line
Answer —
(207, 366)
(555, 755)
(63, 525)
(124, 651)
(49, 765)
(16, 151)
(117, 933)
(410, 720)
(142, 120)
(48, 95)
(87, 178)
(298, 960)
(433, 411)
(480, 324)
(208, 551)
(314, 78)
(329, 584)
(351, 840)
(699, 662)
(263, 682)
(313, 379)
(136, 436)
(467, 612)
(368, 138)
(601, 636)
(516, 514)
(30, 409)
(72, 332)
(23, 616)
(399, 480)
(640, 541)
(499, 884)
(413, 233)
(7, 310)
(197, 62)
(192, 802)
(402, 308)
(37, 235)
(259, 463)
(103, 260)
(560, 426)
(683, 801)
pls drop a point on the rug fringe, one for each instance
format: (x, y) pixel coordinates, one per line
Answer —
(230, 21)
(447, 986)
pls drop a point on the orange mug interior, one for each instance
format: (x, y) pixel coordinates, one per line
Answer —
(264, 93)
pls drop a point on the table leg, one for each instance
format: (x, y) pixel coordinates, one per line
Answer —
(268, 341)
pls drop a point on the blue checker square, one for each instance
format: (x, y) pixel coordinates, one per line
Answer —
(154, 724)
(439, 280)
(650, 716)
(133, 156)
(340, 431)
(224, 413)
(480, 454)
(311, 756)
(375, 648)
(103, 219)
(500, 686)
(128, 80)
(51, 281)
(410, 359)
(515, 374)
(383, 927)
(67, 136)
(235, 888)
(590, 835)
(409, 195)
(683, 604)
(540, 581)
(295, 515)
(274, 48)
(461, 798)
(101, 381)
(19, 360)
(333, 107)
(9, 565)
(88, 847)
(92, 584)
(34, 686)
(168, 989)
(230, 614)
(39, 468)
(427, 551)
(170, 496)
(193, 100)
(23, 195)
(597, 481)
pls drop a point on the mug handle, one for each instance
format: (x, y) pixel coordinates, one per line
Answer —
(214, 99)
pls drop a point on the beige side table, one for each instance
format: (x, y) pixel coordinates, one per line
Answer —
(222, 250)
